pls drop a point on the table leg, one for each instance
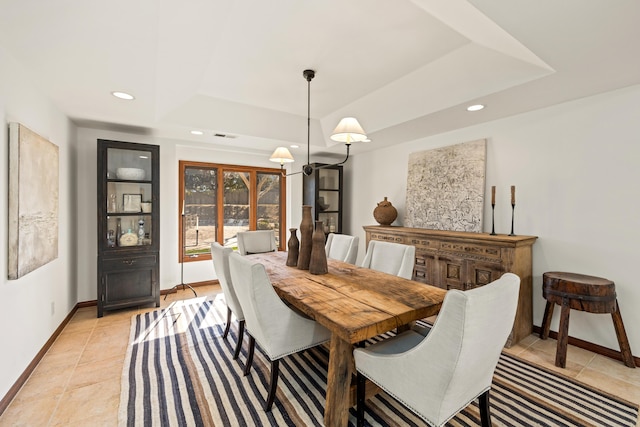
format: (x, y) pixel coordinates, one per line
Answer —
(336, 410)
(403, 328)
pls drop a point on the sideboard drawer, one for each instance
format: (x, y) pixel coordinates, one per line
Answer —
(471, 249)
(423, 275)
(424, 270)
(422, 244)
(387, 238)
(127, 263)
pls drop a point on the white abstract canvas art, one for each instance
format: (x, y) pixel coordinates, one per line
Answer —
(33, 201)
(445, 187)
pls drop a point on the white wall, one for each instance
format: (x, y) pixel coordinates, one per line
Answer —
(576, 168)
(171, 152)
(37, 303)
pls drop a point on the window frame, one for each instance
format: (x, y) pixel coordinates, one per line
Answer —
(221, 168)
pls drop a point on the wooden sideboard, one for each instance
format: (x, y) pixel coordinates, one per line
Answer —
(463, 260)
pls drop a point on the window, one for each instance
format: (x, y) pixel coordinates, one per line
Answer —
(217, 201)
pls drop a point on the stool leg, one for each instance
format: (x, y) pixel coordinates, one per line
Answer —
(563, 335)
(546, 320)
(621, 334)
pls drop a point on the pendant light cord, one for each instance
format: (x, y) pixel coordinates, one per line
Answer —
(308, 121)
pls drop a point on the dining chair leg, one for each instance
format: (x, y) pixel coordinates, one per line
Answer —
(239, 343)
(361, 406)
(275, 368)
(485, 413)
(252, 344)
(226, 329)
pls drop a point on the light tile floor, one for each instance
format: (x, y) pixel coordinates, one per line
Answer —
(77, 383)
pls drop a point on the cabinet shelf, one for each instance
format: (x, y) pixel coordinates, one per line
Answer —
(124, 248)
(128, 214)
(136, 181)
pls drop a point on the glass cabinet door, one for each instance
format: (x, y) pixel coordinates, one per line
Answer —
(322, 190)
(329, 199)
(128, 198)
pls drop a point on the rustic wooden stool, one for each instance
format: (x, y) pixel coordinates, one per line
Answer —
(585, 293)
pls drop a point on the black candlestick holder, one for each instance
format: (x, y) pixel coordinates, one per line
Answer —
(513, 209)
(493, 220)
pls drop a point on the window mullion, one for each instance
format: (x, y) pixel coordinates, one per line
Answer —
(220, 205)
(253, 200)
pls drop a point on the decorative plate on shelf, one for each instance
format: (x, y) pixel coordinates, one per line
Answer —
(133, 174)
(128, 239)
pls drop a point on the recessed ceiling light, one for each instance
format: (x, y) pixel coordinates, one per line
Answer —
(123, 95)
(294, 146)
(476, 107)
(197, 132)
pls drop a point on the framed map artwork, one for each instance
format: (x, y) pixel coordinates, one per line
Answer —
(445, 187)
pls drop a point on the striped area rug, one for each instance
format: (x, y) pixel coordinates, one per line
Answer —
(179, 372)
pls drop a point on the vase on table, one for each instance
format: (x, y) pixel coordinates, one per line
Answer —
(293, 246)
(318, 262)
(306, 233)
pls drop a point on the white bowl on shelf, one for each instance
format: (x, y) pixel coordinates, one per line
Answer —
(133, 174)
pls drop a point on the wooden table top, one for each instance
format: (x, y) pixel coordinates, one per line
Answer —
(354, 303)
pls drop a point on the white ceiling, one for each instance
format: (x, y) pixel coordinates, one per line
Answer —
(405, 68)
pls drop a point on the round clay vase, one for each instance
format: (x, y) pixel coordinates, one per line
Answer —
(306, 232)
(294, 248)
(385, 213)
(318, 262)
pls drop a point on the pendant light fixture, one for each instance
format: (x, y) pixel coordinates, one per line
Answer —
(347, 131)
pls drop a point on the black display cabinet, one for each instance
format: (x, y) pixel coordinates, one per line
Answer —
(128, 196)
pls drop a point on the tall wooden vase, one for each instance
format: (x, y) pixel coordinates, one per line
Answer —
(306, 233)
(318, 263)
(294, 248)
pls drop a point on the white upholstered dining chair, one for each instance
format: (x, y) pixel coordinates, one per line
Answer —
(220, 257)
(279, 330)
(391, 258)
(439, 374)
(342, 247)
(256, 242)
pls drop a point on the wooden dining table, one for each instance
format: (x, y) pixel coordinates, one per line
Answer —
(355, 304)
